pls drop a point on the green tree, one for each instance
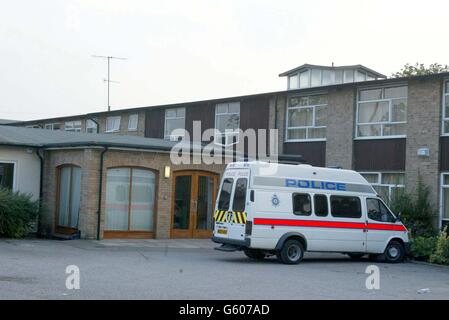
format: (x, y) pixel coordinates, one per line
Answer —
(419, 69)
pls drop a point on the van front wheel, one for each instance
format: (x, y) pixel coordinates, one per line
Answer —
(394, 252)
(292, 252)
(254, 254)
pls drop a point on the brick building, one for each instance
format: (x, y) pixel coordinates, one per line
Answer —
(393, 131)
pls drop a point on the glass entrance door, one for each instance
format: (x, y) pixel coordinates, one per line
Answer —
(193, 204)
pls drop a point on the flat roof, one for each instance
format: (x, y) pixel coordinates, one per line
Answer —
(242, 97)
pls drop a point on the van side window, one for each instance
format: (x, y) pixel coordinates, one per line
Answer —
(225, 194)
(321, 206)
(377, 211)
(240, 195)
(302, 205)
(345, 207)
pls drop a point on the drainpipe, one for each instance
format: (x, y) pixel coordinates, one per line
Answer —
(41, 157)
(41, 183)
(100, 187)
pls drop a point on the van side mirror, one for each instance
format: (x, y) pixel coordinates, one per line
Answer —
(398, 217)
(251, 196)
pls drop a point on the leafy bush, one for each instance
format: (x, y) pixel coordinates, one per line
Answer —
(417, 213)
(17, 213)
(441, 253)
(423, 247)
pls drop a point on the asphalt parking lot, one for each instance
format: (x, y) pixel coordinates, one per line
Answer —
(191, 269)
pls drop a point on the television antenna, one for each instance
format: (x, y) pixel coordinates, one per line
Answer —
(109, 58)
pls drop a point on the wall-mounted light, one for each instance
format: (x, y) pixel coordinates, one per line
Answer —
(167, 172)
(423, 152)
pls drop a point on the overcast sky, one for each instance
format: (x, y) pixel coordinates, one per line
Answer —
(181, 51)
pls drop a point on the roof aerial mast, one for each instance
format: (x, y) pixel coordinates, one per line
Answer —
(109, 72)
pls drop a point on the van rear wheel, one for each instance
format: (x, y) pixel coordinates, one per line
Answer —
(292, 252)
(254, 254)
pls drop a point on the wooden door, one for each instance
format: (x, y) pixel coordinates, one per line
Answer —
(193, 203)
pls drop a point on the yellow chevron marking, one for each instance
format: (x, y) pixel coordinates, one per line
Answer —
(222, 216)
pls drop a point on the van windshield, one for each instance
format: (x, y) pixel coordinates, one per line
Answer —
(240, 195)
(225, 194)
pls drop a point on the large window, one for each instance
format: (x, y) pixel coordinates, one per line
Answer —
(445, 126)
(227, 122)
(445, 196)
(345, 207)
(307, 118)
(7, 175)
(69, 196)
(302, 205)
(73, 126)
(113, 124)
(130, 199)
(386, 184)
(174, 119)
(240, 195)
(382, 112)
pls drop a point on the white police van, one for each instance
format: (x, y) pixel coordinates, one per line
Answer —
(268, 208)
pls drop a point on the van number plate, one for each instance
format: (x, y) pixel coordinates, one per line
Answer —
(222, 231)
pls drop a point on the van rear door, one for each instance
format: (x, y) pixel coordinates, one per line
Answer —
(230, 215)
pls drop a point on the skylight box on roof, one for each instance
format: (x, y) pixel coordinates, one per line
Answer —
(307, 76)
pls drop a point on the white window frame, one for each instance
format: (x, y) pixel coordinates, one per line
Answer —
(442, 187)
(168, 136)
(69, 126)
(379, 181)
(444, 117)
(51, 126)
(228, 133)
(136, 116)
(382, 123)
(113, 118)
(313, 126)
(14, 178)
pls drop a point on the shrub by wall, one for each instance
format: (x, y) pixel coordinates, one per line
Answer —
(17, 213)
(423, 247)
(417, 213)
(441, 253)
